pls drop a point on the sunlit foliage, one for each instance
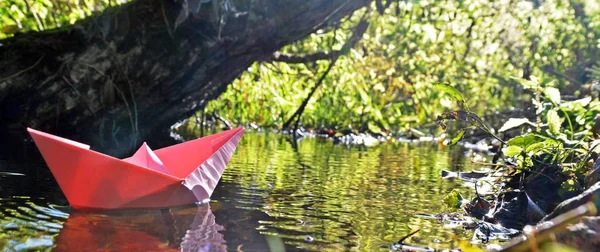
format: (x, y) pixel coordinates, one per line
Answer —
(18, 16)
(386, 82)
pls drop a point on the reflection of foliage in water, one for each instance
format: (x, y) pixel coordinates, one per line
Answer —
(26, 226)
(342, 197)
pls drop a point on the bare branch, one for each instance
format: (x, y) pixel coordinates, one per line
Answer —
(24, 70)
(303, 58)
(359, 30)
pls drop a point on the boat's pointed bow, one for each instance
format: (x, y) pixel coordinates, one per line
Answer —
(203, 180)
(43, 138)
(63, 157)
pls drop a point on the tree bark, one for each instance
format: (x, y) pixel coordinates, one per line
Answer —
(120, 77)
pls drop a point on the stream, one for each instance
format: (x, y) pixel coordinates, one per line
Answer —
(273, 196)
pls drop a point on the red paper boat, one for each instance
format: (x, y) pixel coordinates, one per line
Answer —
(181, 174)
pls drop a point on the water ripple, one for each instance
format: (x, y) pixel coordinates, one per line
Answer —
(339, 197)
(26, 226)
(315, 196)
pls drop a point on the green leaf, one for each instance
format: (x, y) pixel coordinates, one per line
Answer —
(451, 91)
(525, 141)
(554, 121)
(567, 187)
(552, 94)
(364, 96)
(581, 102)
(373, 128)
(458, 137)
(513, 123)
(541, 145)
(528, 84)
(454, 199)
(512, 151)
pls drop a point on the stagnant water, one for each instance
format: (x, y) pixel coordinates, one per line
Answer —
(272, 197)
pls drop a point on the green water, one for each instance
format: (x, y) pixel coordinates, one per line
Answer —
(272, 196)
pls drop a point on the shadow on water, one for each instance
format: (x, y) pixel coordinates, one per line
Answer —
(273, 196)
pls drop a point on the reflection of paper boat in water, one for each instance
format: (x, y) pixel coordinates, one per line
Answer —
(176, 175)
(176, 229)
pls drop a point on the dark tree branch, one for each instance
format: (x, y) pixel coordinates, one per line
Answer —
(221, 119)
(300, 110)
(313, 57)
(144, 71)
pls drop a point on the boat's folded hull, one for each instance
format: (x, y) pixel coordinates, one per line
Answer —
(94, 181)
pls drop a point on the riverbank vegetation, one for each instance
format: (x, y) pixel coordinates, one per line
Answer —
(386, 82)
(543, 171)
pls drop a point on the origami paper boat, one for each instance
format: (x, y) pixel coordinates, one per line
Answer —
(181, 174)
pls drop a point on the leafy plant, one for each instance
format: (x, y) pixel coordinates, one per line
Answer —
(472, 119)
(386, 82)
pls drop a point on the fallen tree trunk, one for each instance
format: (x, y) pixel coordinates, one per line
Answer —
(116, 78)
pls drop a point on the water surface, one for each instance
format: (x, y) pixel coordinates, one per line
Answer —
(273, 196)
